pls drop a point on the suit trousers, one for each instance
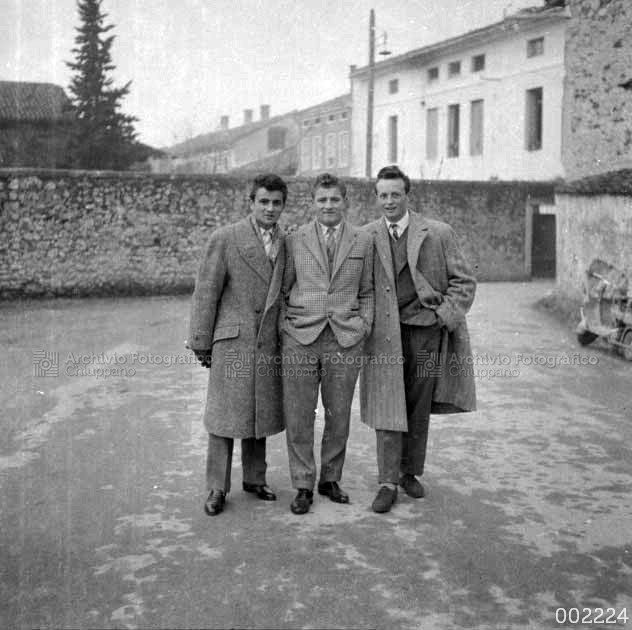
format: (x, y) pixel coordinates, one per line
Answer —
(335, 369)
(219, 461)
(405, 453)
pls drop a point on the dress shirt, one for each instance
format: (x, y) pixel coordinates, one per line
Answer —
(402, 224)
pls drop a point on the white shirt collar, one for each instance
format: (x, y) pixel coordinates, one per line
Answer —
(402, 224)
(324, 228)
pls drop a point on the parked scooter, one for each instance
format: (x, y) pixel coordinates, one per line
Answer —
(607, 308)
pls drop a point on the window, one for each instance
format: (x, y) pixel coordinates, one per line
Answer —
(453, 131)
(392, 139)
(454, 68)
(317, 121)
(330, 150)
(533, 120)
(317, 152)
(276, 138)
(343, 148)
(306, 123)
(535, 47)
(343, 115)
(306, 154)
(476, 127)
(331, 117)
(393, 86)
(433, 74)
(478, 63)
(432, 133)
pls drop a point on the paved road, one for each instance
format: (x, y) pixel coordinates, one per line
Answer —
(101, 488)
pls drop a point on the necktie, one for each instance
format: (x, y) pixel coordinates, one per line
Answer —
(331, 246)
(394, 231)
(266, 235)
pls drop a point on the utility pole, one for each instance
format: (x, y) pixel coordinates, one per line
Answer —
(369, 105)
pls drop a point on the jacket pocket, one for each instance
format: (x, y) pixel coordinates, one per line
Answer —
(225, 332)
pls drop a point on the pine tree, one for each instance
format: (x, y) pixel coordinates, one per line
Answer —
(104, 137)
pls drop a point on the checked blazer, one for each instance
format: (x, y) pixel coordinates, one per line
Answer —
(313, 299)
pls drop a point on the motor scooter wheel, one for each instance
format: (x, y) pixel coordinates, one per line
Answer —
(626, 340)
(585, 337)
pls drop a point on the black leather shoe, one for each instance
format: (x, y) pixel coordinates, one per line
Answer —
(302, 501)
(215, 502)
(384, 499)
(332, 490)
(411, 486)
(263, 492)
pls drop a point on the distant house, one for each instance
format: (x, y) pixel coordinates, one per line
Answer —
(35, 124)
(266, 144)
(483, 105)
(325, 131)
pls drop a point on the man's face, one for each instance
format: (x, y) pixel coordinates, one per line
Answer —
(392, 198)
(329, 205)
(267, 207)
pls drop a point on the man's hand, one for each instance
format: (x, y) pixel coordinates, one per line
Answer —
(204, 357)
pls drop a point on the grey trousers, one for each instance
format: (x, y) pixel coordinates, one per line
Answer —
(405, 453)
(335, 369)
(219, 461)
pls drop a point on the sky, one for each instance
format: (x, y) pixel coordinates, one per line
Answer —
(191, 61)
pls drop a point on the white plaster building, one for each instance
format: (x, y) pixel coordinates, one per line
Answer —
(484, 105)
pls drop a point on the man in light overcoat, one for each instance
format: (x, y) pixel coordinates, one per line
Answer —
(233, 332)
(418, 354)
(328, 288)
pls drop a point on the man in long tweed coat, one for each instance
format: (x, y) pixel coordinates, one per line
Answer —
(234, 332)
(328, 286)
(419, 352)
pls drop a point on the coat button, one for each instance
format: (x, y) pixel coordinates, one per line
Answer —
(388, 289)
(388, 339)
(259, 345)
(257, 310)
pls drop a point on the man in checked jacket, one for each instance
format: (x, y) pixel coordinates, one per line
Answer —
(328, 289)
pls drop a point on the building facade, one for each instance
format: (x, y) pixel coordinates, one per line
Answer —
(35, 125)
(484, 105)
(266, 143)
(325, 131)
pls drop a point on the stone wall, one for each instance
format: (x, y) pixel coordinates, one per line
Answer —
(591, 226)
(101, 233)
(597, 135)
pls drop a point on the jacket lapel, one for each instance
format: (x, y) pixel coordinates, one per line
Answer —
(383, 247)
(251, 249)
(312, 243)
(417, 232)
(347, 238)
(277, 273)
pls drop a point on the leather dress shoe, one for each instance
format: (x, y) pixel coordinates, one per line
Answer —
(215, 502)
(384, 499)
(411, 486)
(263, 492)
(303, 499)
(332, 490)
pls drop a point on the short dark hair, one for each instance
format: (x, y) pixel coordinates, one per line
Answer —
(270, 182)
(327, 180)
(393, 172)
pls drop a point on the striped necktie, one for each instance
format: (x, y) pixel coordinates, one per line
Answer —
(394, 231)
(330, 243)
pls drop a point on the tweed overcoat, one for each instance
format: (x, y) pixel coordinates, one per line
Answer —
(444, 283)
(235, 312)
(314, 299)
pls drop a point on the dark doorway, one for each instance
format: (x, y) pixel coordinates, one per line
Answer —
(543, 246)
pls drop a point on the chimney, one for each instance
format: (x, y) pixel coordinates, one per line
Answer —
(264, 111)
(247, 116)
(223, 123)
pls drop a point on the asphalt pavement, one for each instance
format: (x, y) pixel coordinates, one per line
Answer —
(527, 522)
